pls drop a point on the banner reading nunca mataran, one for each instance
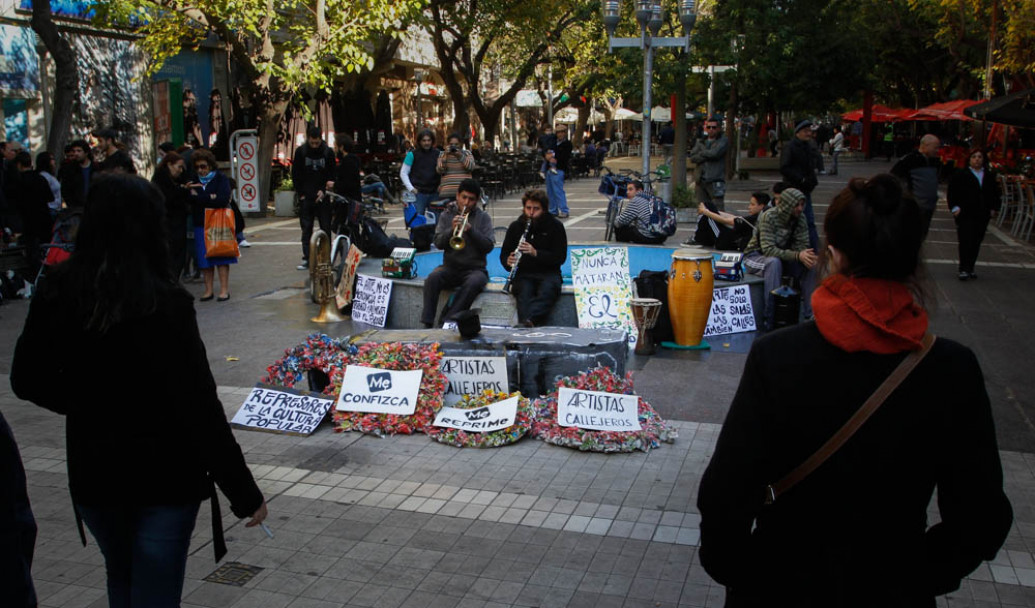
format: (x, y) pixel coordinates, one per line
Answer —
(603, 288)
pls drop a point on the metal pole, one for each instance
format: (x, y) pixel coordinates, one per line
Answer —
(420, 121)
(549, 96)
(711, 91)
(648, 78)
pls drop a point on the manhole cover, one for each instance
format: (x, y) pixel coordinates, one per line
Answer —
(233, 573)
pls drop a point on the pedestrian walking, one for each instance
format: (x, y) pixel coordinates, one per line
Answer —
(137, 484)
(837, 146)
(854, 532)
(973, 198)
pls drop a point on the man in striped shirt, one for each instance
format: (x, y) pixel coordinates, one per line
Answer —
(633, 224)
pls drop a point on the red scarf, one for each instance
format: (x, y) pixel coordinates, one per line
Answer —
(875, 315)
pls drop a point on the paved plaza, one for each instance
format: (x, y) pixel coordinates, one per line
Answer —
(407, 522)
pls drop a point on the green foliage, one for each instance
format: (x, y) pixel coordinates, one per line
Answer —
(684, 197)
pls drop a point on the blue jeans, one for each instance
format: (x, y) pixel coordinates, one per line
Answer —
(423, 200)
(145, 551)
(555, 192)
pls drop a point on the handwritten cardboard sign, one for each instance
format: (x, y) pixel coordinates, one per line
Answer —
(279, 409)
(371, 301)
(597, 411)
(379, 391)
(600, 276)
(492, 417)
(343, 294)
(731, 311)
(471, 375)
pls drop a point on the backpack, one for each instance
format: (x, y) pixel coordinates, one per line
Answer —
(662, 218)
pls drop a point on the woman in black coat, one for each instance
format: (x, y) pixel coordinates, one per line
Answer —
(973, 199)
(146, 435)
(170, 177)
(855, 533)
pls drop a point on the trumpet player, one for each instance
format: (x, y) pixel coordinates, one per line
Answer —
(538, 256)
(464, 234)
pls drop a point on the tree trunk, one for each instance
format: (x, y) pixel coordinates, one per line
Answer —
(580, 125)
(731, 130)
(66, 76)
(679, 149)
(270, 114)
(490, 118)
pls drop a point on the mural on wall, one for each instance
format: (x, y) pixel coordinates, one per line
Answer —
(114, 92)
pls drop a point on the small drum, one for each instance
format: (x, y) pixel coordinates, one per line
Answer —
(690, 285)
(645, 313)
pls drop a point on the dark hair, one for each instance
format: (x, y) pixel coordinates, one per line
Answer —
(44, 160)
(762, 198)
(23, 158)
(877, 227)
(345, 143)
(206, 155)
(984, 156)
(120, 264)
(637, 183)
(780, 186)
(470, 185)
(426, 133)
(455, 136)
(313, 132)
(167, 146)
(168, 159)
(538, 195)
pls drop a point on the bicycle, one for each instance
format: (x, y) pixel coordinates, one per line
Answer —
(614, 187)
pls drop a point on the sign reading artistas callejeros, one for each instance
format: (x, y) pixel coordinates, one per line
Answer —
(597, 411)
(379, 391)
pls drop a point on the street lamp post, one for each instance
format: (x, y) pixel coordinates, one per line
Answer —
(650, 17)
(418, 75)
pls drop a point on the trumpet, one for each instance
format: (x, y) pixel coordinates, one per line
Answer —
(457, 242)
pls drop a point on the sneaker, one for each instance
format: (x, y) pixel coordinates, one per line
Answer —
(244, 243)
(562, 215)
(304, 265)
(972, 275)
(690, 242)
(963, 275)
(542, 175)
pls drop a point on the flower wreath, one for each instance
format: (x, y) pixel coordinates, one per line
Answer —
(653, 430)
(332, 356)
(494, 439)
(395, 355)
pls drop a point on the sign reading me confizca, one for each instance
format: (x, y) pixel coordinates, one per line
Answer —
(492, 417)
(597, 411)
(379, 391)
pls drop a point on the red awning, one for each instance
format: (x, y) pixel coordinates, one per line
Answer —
(949, 110)
(880, 114)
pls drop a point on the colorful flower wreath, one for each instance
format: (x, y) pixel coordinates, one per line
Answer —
(395, 355)
(332, 356)
(654, 430)
(493, 439)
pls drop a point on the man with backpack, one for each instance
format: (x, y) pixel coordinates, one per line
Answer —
(634, 224)
(781, 246)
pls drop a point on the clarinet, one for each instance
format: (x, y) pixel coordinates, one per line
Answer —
(517, 256)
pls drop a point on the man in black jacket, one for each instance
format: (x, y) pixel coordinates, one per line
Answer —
(75, 175)
(312, 171)
(798, 164)
(536, 283)
(919, 171)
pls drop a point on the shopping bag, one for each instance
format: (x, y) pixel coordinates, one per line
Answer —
(220, 238)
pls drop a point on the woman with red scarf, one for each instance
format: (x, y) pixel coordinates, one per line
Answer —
(854, 532)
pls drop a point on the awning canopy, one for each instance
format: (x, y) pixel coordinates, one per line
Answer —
(1015, 110)
(949, 110)
(880, 114)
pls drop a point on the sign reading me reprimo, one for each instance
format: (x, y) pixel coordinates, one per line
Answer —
(379, 391)
(597, 411)
(492, 417)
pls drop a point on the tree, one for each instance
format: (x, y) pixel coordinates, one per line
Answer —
(281, 46)
(66, 75)
(470, 36)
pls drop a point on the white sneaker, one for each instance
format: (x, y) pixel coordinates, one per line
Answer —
(244, 243)
(303, 266)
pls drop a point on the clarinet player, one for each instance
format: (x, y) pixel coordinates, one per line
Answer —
(533, 252)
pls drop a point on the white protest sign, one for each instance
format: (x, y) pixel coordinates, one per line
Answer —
(731, 311)
(597, 411)
(379, 391)
(370, 302)
(492, 417)
(471, 375)
(282, 410)
(601, 279)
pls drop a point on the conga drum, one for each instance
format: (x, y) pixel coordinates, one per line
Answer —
(645, 313)
(690, 283)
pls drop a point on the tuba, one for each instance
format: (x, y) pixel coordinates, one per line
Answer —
(321, 278)
(457, 242)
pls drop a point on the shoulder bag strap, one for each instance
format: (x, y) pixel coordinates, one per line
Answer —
(857, 420)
